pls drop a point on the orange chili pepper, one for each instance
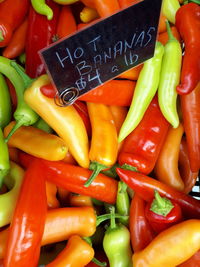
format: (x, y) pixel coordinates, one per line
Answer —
(193, 261)
(77, 253)
(51, 191)
(131, 74)
(16, 45)
(166, 168)
(36, 142)
(66, 22)
(103, 154)
(77, 200)
(88, 14)
(162, 23)
(163, 36)
(126, 3)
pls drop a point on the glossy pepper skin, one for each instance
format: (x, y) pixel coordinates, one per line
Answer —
(11, 16)
(65, 121)
(188, 25)
(142, 146)
(168, 248)
(145, 186)
(27, 226)
(162, 213)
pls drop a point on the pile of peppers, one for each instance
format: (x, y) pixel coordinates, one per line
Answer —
(108, 180)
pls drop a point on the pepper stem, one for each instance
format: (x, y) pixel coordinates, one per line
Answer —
(1, 36)
(112, 219)
(128, 167)
(169, 32)
(99, 263)
(26, 79)
(104, 217)
(161, 205)
(97, 168)
(17, 125)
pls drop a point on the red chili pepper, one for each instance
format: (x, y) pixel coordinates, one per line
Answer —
(11, 16)
(162, 213)
(40, 34)
(188, 25)
(27, 226)
(73, 178)
(190, 107)
(142, 146)
(140, 229)
(145, 187)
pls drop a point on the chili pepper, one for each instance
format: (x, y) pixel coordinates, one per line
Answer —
(23, 115)
(131, 74)
(169, 9)
(145, 90)
(65, 2)
(169, 78)
(66, 24)
(42, 8)
(76, 253)
(5, 103)
(100, 256)
(69, 159)
(163, 37)
(126, 3)
(41, 31)
(13, 181)
(190, 107)
(139, 227)
(22, 58)
(13, 95)
(27, 226)
(162, 23)
(123, 202)
(73, 178)
(11, 17)
(188, 25)
(17, 43)
(42, 125)
(168, 248)
(192, 261)
(64, 120)
(189, 178)
(36, 142)
(88, 14)
(51, 191)
(162, 213)
(116, 244)
(13, 154)
(166, 168)
(145, 186)
(77, 200)
(142, 146)
(102, 154)
(4, 159)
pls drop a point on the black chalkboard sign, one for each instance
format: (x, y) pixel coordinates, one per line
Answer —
(101, 52)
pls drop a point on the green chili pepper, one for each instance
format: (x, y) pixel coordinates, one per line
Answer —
(42, 8)
(169, 79)
(146, 87)
(169, 9)
(13, 181)
(42, 125)
(123, 202)
(5, 103)
(4, 159)
(116, 244)
(23, 114)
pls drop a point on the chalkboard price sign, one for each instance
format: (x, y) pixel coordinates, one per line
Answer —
(103, 51)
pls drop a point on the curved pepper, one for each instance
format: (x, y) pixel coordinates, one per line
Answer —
(145, 89)
(88, 14)
(171, 247)
(76, 253)
(8, 200)
(142, 146)
(166, 168)
(42, 8)
(5, 103)
(37, 142)
(64, 120)
(169, 9)
(188, 25)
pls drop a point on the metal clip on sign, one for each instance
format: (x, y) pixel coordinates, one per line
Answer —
(101, 52)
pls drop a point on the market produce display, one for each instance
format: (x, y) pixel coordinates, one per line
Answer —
(107, 180)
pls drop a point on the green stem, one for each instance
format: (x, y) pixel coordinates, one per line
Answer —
(1, 36)
(17, 125)
(161, 205)
(97, 168)
(112, 219)
(104, 217)
(99, 263)
(169, 32)
(128, 167)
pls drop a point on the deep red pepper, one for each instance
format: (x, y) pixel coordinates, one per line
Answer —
(142, 146)
(190, 107)
(162, 213)
(140, 229)
(12, 13)
(27, 226)
(145, 186)
(188, 25)
(73, 178)
(40, 34)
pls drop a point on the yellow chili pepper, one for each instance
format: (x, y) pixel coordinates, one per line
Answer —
(88, 14)
(169, 9)
(166, 168)
(104, 145)
(65, 121)
(171, 247)
(36, 142)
